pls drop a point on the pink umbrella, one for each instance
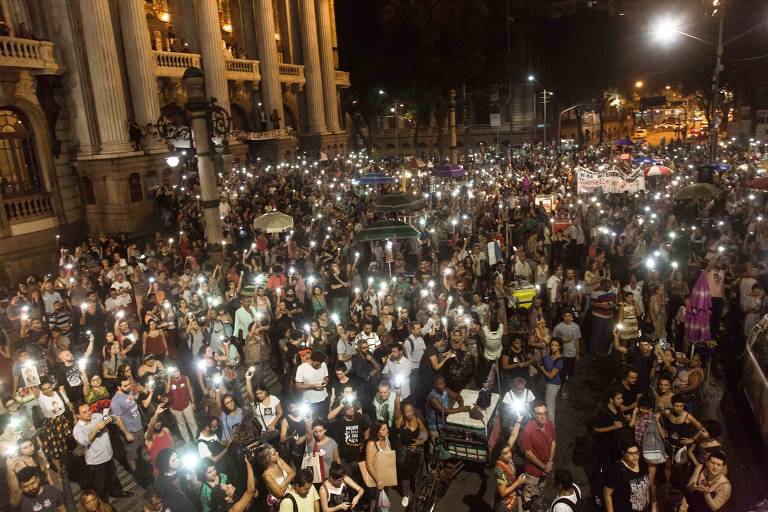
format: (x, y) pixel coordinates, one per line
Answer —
(657, 170)
(698, 312)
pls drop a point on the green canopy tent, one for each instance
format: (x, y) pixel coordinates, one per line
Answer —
(385, 229)
(398, 202)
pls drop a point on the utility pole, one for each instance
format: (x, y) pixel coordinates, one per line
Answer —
(715, 103)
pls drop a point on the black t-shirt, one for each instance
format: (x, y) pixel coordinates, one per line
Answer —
(629, 395)
(70, 378)
(630, 489)
(335, 279)
(644, 365)
(49, 499)
(514, 358)
(607, 442)
(291, 303)
(350, 435)
(339, 388)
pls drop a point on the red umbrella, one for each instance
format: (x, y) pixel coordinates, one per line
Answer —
(759, 183)
(657, 170)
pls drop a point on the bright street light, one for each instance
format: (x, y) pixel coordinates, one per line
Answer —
(666, 30)
(639, 84)
(381, 91)
(172, 161)
(531, 78)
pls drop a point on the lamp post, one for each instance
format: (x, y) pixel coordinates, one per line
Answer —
(560, 120)
(202, 121)
(668, 28)
(546, 95)
(397, 129)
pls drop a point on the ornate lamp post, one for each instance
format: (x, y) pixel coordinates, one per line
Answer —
(203, 121)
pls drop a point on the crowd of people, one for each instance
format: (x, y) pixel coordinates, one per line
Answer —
(305, 371)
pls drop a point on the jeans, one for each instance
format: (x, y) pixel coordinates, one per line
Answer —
(601, 329)
(186, 421)
(550, 397)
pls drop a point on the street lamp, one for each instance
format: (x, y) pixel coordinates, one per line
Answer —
(546, 95)
(397, 128)
(639, 84)
(199, 122)
(666, 30)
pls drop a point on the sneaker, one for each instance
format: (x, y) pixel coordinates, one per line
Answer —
(404, 502)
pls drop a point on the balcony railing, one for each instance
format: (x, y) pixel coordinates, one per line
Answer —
(28, 207)
(342, 78)
(29, 54)
(242, 69)
(292, 74)
(173, 64)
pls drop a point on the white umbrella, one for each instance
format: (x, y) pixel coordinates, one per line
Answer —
(274, 222)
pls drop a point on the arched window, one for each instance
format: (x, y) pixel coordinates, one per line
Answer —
(151, 181)
(134, 188)
(18, 168)
(90, 197)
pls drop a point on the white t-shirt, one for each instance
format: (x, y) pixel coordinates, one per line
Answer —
(202, 446)
(492, 343)
(52, 406)
(266, 413)
(306, 374)
(399, 370)
(306, 504)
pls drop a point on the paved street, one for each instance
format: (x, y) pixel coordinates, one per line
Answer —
(474, 488)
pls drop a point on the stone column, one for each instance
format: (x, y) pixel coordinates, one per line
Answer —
(269, 66)
(313, 88)
(327, 64)
(106, 78)
(140, 67)
(211, 51)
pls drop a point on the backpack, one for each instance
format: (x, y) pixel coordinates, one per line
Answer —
(575, 507)
(287, 496)
(653, 445)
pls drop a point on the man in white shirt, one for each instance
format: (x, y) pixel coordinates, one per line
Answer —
(368, 335)
(554, 293)
(414, 344)
(399, 368)
(346, 348)
(523, 268)
(244, 316)
(92, 432)
(312, 379)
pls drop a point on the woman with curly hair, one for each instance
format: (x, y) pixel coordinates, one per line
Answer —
(90, 502)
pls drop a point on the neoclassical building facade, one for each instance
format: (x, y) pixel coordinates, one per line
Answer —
(83, 83)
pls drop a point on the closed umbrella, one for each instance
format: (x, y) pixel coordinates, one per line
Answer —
(274, 222)
(385, 229)
(698, 311)
(657, 170)
(698, 191)
(398, 202)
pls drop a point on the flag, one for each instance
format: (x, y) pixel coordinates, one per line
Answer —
(494, 252)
